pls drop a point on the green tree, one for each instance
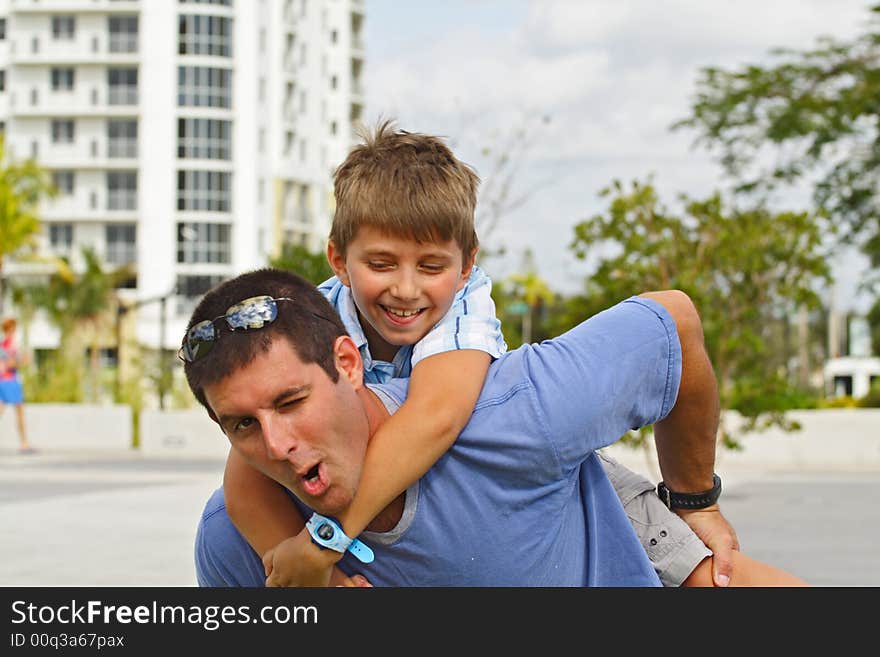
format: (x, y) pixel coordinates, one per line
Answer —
(298, 259)
(22, 186)
(746, 269)
(811, 118)
(523, 302)
(874, 323)
(80, 304)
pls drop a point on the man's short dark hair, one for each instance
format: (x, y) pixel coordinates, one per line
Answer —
(309, 323)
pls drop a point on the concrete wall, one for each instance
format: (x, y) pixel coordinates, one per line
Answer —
(181, 434)
(831, 440)
(70, 427)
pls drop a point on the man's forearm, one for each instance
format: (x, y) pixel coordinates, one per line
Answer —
(686, 437)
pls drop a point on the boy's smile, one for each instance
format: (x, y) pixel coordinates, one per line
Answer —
(401, 287)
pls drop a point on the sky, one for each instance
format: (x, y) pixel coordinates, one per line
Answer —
(595, 84)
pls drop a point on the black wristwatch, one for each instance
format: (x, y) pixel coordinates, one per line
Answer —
(675, 500)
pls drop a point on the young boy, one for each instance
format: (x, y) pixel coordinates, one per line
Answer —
(403, 246)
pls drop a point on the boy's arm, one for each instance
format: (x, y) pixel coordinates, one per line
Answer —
(261, 510)
(442, 393)
(443, 390)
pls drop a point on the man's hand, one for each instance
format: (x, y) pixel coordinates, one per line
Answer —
(297, 561)
(718, 535)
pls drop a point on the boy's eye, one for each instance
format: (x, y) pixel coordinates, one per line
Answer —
(432, 268)
(379, 265)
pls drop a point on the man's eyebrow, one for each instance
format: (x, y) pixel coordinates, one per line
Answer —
(293, 390)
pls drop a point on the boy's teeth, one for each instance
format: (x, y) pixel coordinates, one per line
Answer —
(402, 313)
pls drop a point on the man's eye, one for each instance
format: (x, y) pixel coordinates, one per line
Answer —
(243, 425)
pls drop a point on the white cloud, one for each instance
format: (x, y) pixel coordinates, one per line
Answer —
(612, 75)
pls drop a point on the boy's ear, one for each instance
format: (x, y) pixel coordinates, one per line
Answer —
(466, 266)
(337, 263)
(348, 360)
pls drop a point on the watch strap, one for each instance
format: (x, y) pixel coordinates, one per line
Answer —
(701, 500)
(327, 533)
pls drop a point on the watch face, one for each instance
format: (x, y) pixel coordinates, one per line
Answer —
(325, 531)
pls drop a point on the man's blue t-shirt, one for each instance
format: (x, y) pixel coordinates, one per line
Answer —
(520, 499)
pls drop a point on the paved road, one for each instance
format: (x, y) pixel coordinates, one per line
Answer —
(120, 519)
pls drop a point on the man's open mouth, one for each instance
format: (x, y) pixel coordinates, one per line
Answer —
(314, 481)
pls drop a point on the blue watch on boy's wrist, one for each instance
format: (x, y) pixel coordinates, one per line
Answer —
(327, 533)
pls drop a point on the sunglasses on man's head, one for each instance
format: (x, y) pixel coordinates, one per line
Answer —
(252, 313)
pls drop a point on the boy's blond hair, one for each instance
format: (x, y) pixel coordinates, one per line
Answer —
(405, 184)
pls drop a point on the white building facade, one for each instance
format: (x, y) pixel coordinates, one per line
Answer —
(188, 138)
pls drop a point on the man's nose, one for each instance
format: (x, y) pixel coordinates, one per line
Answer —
(278, 437)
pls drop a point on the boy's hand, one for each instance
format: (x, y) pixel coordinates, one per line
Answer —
(718, 535)
(297, 561)
(355, 581)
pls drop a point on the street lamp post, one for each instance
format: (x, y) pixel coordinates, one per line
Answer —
(163, 313)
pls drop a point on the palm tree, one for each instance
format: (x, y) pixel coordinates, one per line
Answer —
(22, 186)
(80, 305)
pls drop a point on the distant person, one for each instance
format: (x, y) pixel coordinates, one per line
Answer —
(10, 384)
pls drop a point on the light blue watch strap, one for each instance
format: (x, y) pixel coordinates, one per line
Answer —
(326, 532)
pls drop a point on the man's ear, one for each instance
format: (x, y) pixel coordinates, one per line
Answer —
(337, 262)
(466, 266)
(348, 360)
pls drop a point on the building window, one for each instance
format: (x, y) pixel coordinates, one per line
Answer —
(62, 79)
(123, 33)
(122, 138)
(2, 29)
(204, 139)
(63, 28)
(123, 86)
(190, 289)
(61, 239)
(203, 243)
(63, 131)
(199, 34)
(63, 181)
(121, 241)
(121, 190)
(204, 86)
(334, 81)
(2, 79)
(204, 191)
(108, 357)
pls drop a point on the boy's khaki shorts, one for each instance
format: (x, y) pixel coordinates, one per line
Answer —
(672, 546)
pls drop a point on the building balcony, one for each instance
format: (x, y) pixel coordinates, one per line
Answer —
(72, 6)
(93, 50)
(85, 101)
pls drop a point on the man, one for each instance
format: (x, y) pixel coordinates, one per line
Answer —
(520, 499)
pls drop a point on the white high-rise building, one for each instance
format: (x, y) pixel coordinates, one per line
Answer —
(190, 138)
